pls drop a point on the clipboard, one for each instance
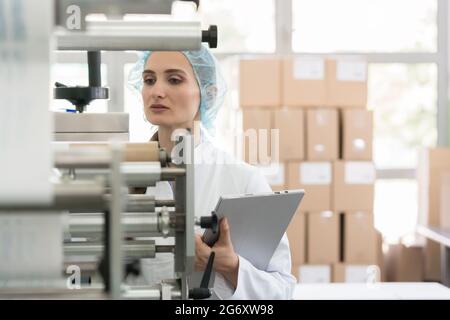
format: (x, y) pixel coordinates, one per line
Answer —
(257, 222)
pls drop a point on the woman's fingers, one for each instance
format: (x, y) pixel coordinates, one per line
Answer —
(202, 252)
(224, 237)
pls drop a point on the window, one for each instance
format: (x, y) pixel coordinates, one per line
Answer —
(244, 26)
(403, 98)
(370, 26)
(395, 207)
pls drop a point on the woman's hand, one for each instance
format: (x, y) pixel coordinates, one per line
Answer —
(226, 261)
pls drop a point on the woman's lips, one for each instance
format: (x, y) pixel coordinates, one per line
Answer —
(158, 107)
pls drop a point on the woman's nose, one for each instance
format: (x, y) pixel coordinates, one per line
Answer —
(158, 91)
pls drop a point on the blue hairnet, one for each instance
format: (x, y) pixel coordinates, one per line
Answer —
(209, 78)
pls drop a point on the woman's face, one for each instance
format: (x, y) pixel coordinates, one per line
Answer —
(170, 91)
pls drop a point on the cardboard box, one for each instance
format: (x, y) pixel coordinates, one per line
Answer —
(432, 163)
(290, 123)
(360, 238)
(296, 233)
(316, 179)
(257, 124)
(315, 274)
(304, 81)
(353, 186)
(357, 134)
(275, 174)
(260, 83)
(354, 273)
(405, 263)
(323, 237)
(347, 84)
(444, 208)
(322, 135)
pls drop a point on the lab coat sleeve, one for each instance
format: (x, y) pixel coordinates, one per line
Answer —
(276, 282)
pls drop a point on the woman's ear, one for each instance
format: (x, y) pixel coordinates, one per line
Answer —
(211, 94)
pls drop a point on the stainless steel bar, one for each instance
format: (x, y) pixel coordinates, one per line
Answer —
(134, 225)
(146, 249)
(114, 225)
(141, 174)
(52, 293)
(132, 35)
(167, 203)
(67, 159)
(184, 210)
(168, 248)
(136, 174)
(71, 195)
(140, 203)
(85, 293)
(172, 173)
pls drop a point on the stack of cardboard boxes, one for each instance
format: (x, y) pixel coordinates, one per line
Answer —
(318, 104)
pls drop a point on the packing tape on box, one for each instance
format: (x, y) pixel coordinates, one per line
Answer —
(274, 173)
(359, 172)
(308, 68)
(315, 173)
(348, 70)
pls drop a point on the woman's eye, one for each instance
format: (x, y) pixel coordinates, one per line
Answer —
(149, 81)
(175, 80)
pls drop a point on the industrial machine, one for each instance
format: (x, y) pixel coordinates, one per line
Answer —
(69, 227)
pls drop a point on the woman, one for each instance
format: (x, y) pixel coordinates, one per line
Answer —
(179, 88)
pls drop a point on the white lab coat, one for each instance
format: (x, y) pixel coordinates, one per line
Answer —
(220, 174)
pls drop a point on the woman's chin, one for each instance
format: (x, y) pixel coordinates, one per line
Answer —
(159, 120)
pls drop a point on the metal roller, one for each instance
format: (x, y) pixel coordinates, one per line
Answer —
(134, 225)
(133, 152)
(136, 174)
(67, 159)
(79, 196)
(132, 35)
(137, 249)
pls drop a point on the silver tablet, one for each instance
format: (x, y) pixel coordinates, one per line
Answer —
(257, 222)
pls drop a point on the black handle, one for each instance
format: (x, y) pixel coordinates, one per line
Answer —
(203, 292)
(211, 222)
(94, 66)
(60, 85)
(210, 36)
(208, 271)
(80, 96)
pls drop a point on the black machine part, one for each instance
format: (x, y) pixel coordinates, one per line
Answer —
(81, 96)
(203, 292)
(210, 36)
